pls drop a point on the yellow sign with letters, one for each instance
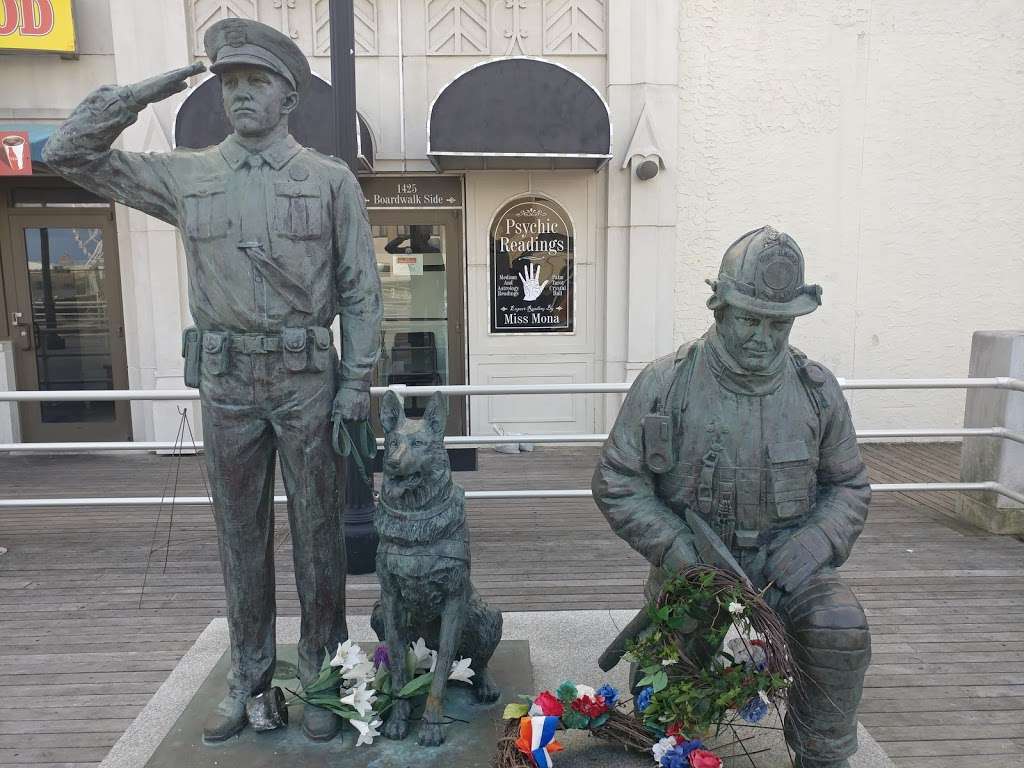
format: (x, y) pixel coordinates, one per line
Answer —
(37, 25)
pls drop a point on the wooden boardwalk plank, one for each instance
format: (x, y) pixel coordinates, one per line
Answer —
(125, 594)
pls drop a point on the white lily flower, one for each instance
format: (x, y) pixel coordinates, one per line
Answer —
(360, 699)
(667, 662)
(585, 690)
(425, 658)
(764, 697)
(367, 730)
(362, 672)
(348, 656)
(663, 747)
(736, 609)
(461, 671)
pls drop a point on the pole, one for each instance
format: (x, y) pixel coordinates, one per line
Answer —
(358, 507)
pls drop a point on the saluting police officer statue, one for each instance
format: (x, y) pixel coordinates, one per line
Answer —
(748, 433)
(278, 243)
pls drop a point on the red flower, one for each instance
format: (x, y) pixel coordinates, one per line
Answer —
(548, 705)
(591, 706)
(676, 729)
(701, 758)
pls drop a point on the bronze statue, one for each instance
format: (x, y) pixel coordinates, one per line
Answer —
(423, 563)
(746, 432)
(278, 243)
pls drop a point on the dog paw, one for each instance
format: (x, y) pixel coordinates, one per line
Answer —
(396, 728)
(485, 689)
(431, 734)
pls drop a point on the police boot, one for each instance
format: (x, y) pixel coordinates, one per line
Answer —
(319, 724)
(227, 718)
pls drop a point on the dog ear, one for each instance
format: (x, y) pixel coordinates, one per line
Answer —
(392, 413)
(436, 413)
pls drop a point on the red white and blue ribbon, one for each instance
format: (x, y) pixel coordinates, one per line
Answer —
(537, 739)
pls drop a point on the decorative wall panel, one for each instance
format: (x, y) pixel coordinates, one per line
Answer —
(458, 27)
(574, 26)
(205, 13)
(366, 20)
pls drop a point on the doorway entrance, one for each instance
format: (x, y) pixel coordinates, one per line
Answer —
(66, 321)
(419, 257)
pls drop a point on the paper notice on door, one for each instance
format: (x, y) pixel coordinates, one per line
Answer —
(406, 264)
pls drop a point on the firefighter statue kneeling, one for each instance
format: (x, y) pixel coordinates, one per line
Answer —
(744, 431)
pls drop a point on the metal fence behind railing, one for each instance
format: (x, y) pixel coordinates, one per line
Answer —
(1000, 382)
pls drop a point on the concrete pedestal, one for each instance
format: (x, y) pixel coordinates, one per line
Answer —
(561, 645)
(994, 353)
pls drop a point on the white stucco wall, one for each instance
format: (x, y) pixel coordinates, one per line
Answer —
(887, 136)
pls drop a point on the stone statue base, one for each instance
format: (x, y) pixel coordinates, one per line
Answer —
(561, 645)
(469, 743)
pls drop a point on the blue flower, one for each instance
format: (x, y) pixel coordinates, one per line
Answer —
(610, 695)
(643, 699)
(679, 756)
(755, 709)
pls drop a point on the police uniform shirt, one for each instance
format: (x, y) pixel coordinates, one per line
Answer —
(308, 252)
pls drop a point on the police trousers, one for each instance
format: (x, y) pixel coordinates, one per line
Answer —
(254, 409)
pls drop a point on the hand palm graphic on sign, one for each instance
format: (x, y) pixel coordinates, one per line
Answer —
(532, 287)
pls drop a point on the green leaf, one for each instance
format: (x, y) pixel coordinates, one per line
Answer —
(515, 711)
(329, 679)
(660, 681)
(647, 680)
(416, 686)
(598, 721)
(650, 669)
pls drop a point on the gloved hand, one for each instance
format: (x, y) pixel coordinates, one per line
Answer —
(794, 558)
(351, 405)
(679, 556)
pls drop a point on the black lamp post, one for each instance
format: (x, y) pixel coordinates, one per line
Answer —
(358, 509)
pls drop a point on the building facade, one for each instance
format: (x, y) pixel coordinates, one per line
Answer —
(549, 183)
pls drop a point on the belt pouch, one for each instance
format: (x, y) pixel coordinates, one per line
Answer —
(216, 352)
(320, 350)
(293, 345)
(190, 351)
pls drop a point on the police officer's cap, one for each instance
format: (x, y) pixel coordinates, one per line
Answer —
(763, 272)
(243, 41)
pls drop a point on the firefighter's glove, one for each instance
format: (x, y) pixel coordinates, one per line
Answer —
(794, 558)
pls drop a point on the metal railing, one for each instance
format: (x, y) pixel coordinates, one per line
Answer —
(1001, 382)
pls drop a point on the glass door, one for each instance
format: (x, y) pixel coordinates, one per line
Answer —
(419, 257)
(68, 331)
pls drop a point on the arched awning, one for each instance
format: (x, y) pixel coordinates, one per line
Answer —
(519, 113)
(201, 121)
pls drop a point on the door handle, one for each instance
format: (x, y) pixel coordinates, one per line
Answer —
(22, 337)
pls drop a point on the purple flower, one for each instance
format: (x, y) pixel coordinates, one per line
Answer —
(643, 699)
(755, 709)
(380, 656)
(679, 756)
(609, 694)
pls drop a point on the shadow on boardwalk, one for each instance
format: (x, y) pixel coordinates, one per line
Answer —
(98, 605)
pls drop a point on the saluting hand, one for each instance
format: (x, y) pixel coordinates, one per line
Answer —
(160, 87)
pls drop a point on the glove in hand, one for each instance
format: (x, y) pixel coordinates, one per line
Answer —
(795, 558)
(350, 405)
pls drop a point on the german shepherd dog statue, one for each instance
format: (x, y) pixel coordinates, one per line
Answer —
(423, 566)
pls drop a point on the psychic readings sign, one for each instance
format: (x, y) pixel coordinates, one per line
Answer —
(15, 154)
(531, 269)
(37, 25)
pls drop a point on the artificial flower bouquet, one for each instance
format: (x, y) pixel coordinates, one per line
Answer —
(714, 655)
(357, 687)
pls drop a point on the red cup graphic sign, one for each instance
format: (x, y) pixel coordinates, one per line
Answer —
(15, 154)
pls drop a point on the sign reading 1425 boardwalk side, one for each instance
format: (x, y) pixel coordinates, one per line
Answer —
(531, 269)
(37, 25)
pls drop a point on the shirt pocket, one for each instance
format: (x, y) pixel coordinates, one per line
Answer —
(790, 472)
(206, 214)
(298, 213)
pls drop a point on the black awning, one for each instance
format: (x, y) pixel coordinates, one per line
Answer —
(518, 113)
(201, 121)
